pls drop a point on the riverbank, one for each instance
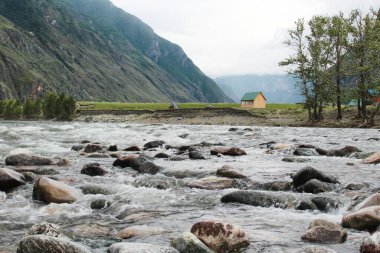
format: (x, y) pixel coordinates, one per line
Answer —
(292, 117)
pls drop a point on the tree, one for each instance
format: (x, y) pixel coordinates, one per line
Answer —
(338, 33)
(299, 64)
(49, 105)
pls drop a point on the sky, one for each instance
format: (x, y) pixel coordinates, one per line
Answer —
(233, 37)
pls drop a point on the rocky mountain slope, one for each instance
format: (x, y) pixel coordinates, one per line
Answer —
(95, 51)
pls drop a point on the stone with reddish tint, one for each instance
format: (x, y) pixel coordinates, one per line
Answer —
(212, 183)
(228, 151)
(229, 172)
(371, 244)
(367, 218)
(220, 237)
(93, 169)
(373, 159)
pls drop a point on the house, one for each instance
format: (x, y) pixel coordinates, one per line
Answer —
(253, 100)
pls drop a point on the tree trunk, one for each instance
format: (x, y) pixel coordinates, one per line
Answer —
(377, 109)
(359, 109)
(320, 111)
(338, 90)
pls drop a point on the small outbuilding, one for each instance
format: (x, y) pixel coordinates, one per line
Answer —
(253, 100)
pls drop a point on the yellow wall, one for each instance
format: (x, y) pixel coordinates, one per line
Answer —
(259, 102)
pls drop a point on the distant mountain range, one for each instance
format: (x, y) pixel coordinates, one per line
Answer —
(94, 51)
(276, 88)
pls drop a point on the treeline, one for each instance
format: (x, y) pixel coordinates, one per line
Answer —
(336, 59)
(53, 106)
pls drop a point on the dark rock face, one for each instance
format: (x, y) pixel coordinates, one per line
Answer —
(77, 147)
(228, 151)
(112, 148)
(233, 129)
(305, 152)
(43, 243)
(322, 151)
(149, 168)
(100, 204)
(229, 172)
(277, 186)
(324, 204)
(10, 179)
(344, 152)
(189, 243)
(315, 186)
(92, 148)
(196, 155)
(132, 161)
(308, 173)
(162, 156)
(51, 191)
(132, 148)
(153, 144)
(220, 237)
(322, 231)
(258, 198)
(27, 160)
(93, 169)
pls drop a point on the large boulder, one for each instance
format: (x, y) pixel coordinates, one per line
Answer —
(305, 152)
(27, 160)
(93, 169)
(367, 218)
(373, 200)
(276, 186)
(373, 159)
(44, 244)
(153, 144)
(10, 179)
(344, 152)
(228, 151)
(304, 175)
(133, 247)
(92, 148)
(229, 172)
(212, 183)
(48, 229)
(371, 244)
(322, 231)
(220, 237)
(149, 168)
(315, 186)
(260, 198)
(51, 191)
(189, 243)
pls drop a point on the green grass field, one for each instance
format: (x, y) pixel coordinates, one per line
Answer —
(165, 106)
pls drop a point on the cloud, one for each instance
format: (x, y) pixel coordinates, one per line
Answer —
(225, 37)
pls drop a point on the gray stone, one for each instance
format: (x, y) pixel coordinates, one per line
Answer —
(196, 155)
(45, 244)
(27, 160)
(189, 243)
(229, 172)
(92, 148)
(315, 186)
(322, 231)
(305, 152)
(308, 173)
(315, 249)
(10, 179)
(212, 183)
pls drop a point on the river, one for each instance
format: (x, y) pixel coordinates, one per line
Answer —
(175, 209)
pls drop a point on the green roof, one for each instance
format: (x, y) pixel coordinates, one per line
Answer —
(250, 96)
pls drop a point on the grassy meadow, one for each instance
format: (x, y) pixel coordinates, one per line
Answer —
(165, 106)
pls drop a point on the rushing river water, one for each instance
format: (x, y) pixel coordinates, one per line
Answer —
(177, 208)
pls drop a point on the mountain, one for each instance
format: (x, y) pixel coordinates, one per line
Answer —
(95, 51)
(276, 88)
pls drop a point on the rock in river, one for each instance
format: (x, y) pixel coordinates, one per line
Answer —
(212, 183)
(229, 172)
(27, 160)
(315, 186)
(322, 231)
(140, 231)
(92, 148)
(371, 244)
(189, 243)
(45, 244)
(308, 173)
(134, 247)
(228, 151)
(196, 155)
(220, 237)
(153, 144)
(10, 179)
(51, 191)
(314, 249)
(93, 169)
(305, 152)
(344, 152)
(373, 159)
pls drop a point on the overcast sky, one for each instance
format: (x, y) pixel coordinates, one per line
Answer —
(233, 37)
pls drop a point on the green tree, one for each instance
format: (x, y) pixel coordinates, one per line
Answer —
(49, 105)
(338, 32)
(13, 109)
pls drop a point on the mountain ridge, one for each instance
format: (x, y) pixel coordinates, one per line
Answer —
(96, 51)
